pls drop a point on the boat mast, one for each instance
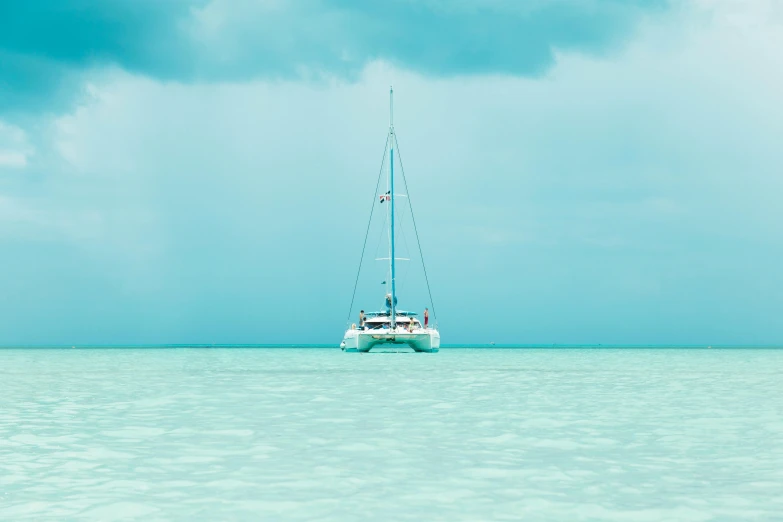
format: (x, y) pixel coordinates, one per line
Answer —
(391, 210)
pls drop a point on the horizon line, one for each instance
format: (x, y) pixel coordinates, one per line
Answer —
(446, 346)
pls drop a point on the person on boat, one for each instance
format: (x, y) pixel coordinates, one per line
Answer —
(426, 317)
(361, 320)
(410, 325)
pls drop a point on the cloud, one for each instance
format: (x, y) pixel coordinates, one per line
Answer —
(45, 48)
(12, 159)
(14, 147)
(432, 38)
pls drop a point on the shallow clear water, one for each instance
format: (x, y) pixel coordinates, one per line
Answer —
(462, 435)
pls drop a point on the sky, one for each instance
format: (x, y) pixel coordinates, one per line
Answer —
(201, 171)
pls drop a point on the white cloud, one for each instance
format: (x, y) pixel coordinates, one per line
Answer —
(14, 147)
(13, 159)
(36, 219)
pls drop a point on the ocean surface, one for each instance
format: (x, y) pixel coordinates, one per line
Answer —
(466, 434)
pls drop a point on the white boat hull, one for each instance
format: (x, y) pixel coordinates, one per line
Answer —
(421, 340)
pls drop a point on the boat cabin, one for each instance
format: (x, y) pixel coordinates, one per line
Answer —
(382, 320)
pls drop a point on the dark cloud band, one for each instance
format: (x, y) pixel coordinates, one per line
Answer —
(43, 44)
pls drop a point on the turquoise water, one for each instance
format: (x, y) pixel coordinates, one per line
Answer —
(208, 434)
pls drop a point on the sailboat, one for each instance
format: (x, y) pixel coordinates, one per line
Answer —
(391, 326)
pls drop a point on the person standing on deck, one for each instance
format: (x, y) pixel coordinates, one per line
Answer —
(426, 317)
(361, 320)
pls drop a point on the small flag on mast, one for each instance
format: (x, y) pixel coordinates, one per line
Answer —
(385, 197)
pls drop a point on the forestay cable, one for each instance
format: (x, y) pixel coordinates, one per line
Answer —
(367, 233)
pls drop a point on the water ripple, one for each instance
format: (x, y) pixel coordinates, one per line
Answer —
(463, 435)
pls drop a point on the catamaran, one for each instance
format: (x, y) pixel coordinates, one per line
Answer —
(391, 326)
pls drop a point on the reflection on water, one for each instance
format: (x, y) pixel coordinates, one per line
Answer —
(461, 435)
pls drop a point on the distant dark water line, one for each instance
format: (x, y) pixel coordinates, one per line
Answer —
(446, 346)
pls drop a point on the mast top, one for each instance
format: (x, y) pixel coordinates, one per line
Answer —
(391, 107)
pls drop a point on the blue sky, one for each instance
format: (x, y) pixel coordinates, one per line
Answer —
(596, 171)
